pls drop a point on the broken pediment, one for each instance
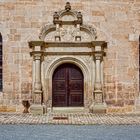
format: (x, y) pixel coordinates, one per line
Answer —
(67, 27)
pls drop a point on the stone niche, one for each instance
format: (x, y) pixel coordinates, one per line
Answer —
(68, 40)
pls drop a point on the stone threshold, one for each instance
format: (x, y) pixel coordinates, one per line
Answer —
(68, 109)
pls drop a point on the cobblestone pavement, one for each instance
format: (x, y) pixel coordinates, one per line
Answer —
(69, 118)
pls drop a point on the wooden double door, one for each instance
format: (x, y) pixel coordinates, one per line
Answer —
(67, 86)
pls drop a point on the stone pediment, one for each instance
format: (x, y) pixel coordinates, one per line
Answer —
(67, 27)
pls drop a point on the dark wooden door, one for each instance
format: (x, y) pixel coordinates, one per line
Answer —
(67, 86)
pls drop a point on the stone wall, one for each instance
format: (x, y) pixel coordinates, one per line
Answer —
(117, 22)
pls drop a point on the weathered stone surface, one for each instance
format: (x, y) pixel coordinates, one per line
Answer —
(37, 109)
(116, 21)
(7, 108)
(125, 109)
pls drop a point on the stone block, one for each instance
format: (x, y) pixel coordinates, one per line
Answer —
(17, 37)
(124, 109)
(3, 108)
(35, 24)
(11, 109)
(133, 37)
(26, 87)
(97, 13)
(7, 108)
(110, 101)
(9, 6)
(19, 19)
(8, 86)
(37, 109)
(13, 31)
(98, 108)
(19, 108)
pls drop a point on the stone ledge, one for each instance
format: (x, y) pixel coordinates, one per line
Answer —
(4, 108)
(125, 109)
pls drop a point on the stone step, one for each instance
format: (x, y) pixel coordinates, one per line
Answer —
(69, 110)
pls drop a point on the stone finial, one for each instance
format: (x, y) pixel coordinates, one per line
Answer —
(79, 17)
(68, 6)
(55, 16)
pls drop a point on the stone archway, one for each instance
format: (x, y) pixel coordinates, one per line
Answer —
(56, 63)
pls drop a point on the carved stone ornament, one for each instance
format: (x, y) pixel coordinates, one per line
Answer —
(56, 16)
(67, 26)
(68, 6)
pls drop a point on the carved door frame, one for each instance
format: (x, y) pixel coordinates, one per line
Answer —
(57, 40)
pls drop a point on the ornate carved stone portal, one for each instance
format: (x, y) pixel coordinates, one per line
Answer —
(68, 40)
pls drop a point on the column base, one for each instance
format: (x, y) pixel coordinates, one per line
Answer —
(37, 97)
(98, 96)
(98, 108)
(37, 91)
(137, 104)
(37, 109)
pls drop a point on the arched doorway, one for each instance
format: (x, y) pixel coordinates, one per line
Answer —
(67, 86)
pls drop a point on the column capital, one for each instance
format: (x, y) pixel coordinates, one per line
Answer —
(98, 55)
(98, 49)
(36, 46)
(37, 56)
(103, 44)
(32, 44)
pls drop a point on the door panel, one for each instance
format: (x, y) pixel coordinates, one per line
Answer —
(59, 87)
(76, 87)
(67, 86)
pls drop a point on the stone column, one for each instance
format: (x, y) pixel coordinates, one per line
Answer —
(98, 93)
(37, 52)
(98, 105)
(37, 83)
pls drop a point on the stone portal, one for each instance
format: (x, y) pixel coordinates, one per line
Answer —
(68, 40)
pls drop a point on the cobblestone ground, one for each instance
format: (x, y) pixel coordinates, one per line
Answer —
(69, 132)
(69, 118)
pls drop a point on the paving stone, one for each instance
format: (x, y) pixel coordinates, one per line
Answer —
(72, 118)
